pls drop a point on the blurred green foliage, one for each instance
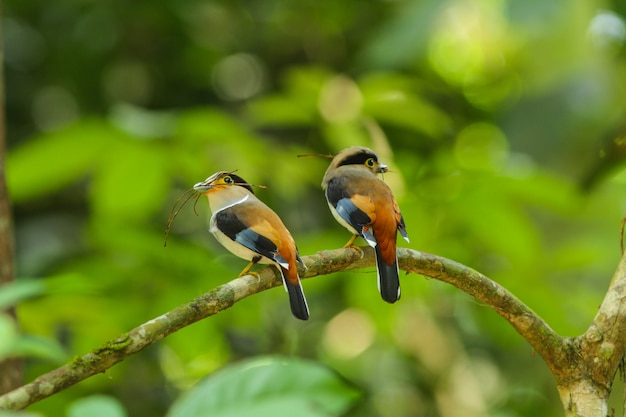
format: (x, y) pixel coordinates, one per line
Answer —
(12, 343)
(490, 114)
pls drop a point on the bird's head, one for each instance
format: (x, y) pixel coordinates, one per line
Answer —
(220, 181)
(358, 156)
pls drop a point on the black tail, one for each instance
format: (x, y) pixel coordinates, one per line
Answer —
(299, 307)
(388, 280)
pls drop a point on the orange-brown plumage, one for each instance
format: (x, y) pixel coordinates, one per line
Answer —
(385, 231)
(272, 227)
(248, 228)
(365, 205)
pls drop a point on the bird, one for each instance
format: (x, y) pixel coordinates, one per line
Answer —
(251, 230)
(365, 205)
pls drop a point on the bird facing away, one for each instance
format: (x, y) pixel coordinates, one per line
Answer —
(248, 228)
(365, 205)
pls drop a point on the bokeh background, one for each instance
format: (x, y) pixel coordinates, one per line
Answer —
(501, 121)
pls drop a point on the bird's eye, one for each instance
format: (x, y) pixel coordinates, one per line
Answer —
(370, 162)
(228, 180)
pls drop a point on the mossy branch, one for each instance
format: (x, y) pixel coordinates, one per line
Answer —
(545, 341)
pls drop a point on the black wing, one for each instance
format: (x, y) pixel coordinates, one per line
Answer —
(338, 196)
(228, 222)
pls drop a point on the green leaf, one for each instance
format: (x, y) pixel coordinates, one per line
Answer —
(397, 100)
(269, 386)
(96, 406)
(47, 163)
(303, 85)
(8, 335)
(16, 291)
(208, 125)
(131, 182)
(39, 347)
(14, 344)
(279, 110)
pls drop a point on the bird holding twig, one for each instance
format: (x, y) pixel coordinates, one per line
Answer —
(249, 229)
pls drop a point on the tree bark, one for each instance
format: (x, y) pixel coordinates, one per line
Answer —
(584, 398)
(585, 376)
(10, 369)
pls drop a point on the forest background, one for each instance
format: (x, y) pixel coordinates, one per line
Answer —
(498, 120)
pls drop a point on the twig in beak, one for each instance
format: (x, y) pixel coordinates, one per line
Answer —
(187, 195)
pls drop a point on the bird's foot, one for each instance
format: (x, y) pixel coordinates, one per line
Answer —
(251, 273)
(351, 245)
(246, 270)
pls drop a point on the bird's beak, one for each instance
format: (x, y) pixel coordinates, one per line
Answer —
(382, 168)
(203, 187)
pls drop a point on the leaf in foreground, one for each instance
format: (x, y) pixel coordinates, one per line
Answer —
(269, 386)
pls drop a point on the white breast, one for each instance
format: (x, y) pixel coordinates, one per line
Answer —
(341, 221)
(234, 247)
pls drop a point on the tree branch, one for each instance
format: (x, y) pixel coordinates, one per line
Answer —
(527, 323)
(585, 385)
(605, 339)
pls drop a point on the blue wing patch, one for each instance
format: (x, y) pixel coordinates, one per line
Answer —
(236, 230)
(352, 214)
